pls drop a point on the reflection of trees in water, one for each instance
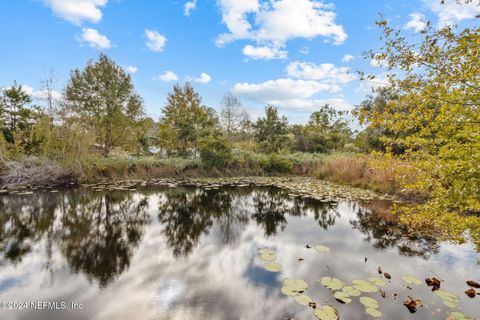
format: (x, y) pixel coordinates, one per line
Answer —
(99, 234)
(384, 232)
(189, 213)
(96, 233)
(23, 222)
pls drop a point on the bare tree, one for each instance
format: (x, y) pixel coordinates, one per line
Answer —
(233, 115)
(48, 87)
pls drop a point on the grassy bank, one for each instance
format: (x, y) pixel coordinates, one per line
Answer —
(355, 170)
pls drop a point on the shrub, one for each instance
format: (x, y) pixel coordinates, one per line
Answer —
(215, 152)
(273, 163)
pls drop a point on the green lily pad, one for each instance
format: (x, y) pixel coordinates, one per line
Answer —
(326, 312)
(289, 291)
(351, 291)
(457, 316)
(268, 256)
(303, 299)
(332, 283)
(373, 312)
(369, 302)
(273, 266)
(342, 297)
(449, 299)
(377, 281)
(322, 249)
(411, 280)
(298, 284)
(266, 251)
(364, 286)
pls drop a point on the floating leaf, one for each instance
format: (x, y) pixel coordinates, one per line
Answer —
(298, 284)
(411, 280)
(303, 299)
(273, 266)
(369, 302)
(377, 281)
(268, 256)
(332, 283)
(342, 297)
(266, 251)
(373, 312)
(322, 249)
(289, 291)
(433, 282)
(364, 286)
(449, 299)
(326, 312)
(473, 284)
(387, 275)
(412, 304)
(457, 316)
(471, 293)
(351, 291)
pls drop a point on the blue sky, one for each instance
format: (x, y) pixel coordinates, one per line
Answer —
(295, 54)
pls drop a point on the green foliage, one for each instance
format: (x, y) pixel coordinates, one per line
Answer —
(215, 151)
(102, 95)
(271, 131)
(185, 120)
(435, 117)
(325, 132)
(273, 163)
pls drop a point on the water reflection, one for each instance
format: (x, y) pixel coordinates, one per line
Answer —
(196, 247)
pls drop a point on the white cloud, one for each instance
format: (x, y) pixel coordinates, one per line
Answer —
(168, 76)
(325, 72)
(265, 53)
(189, 7)
(282, 89)
(416, 22)
(368, 86)
(451, 12)
(94, 39)
(347, 58)
(131, 69)
(204, 78)
(40, 94)
(77, 11)
(155, 41)
(277, 21)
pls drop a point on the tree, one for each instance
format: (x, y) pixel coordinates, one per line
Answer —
(232, 116)
(185, 120)
(271, 131)
(102, 96)
(437, 81)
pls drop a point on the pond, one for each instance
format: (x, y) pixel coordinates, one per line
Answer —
(200, 253)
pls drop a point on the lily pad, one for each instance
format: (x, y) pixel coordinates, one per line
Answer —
(332, 283)
(373, 312)
(364, 286)
(268, 256)
(303, 299)
(369, 302)
(351, 291)
(266, 251)
(326, 312)
(457, 316)
(411, 280)
(449, 299)
(273, 266)
(342, 297)
(322, 249)
(377, 281)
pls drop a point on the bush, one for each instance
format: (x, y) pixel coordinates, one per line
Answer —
(273, 163)
(215, 152)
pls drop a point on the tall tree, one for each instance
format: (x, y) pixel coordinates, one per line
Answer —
(103, 96)
(232, 116)
(271, 131)
(15, 112)
(437, 81)
(185, 120)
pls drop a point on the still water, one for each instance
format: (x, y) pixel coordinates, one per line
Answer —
(192, 253)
